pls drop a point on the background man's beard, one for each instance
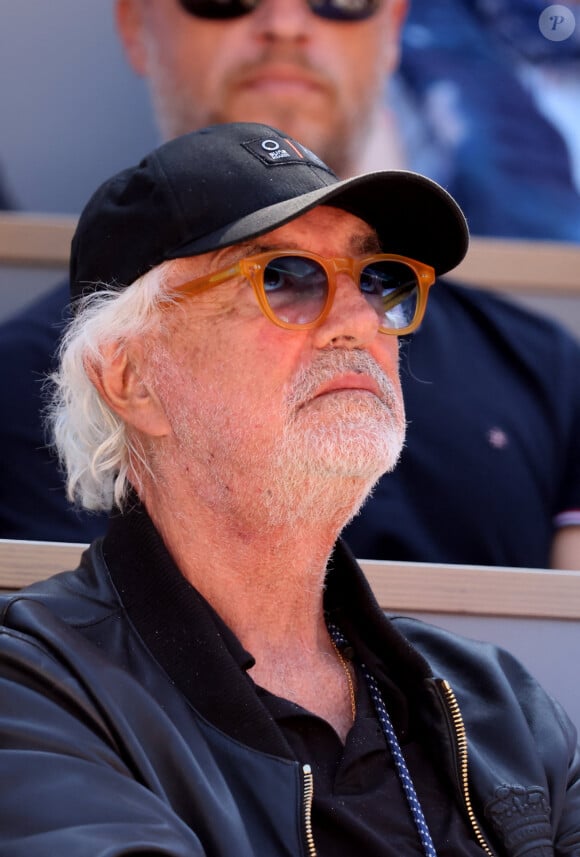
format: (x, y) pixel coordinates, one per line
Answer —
(333, 141)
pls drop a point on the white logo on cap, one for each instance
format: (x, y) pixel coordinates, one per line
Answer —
(275, 153)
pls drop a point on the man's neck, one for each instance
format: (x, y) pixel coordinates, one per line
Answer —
(263, 571)
(267, 584)
(262, 581)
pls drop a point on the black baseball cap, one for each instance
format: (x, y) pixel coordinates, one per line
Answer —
(228, 183)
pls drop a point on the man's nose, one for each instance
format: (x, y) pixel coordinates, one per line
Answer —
(352, 322)
(283, 19)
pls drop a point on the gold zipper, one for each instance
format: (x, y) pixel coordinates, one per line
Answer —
(308, 798)
(461, 741)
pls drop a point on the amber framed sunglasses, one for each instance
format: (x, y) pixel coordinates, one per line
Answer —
(295, 289)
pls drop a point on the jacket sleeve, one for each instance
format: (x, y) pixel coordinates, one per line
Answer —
(69, 783)
(567, 835)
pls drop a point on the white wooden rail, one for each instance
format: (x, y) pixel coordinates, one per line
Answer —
(41, 240)
(398, 586)
(35, 240)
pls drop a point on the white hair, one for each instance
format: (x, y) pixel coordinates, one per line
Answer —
(92, 442)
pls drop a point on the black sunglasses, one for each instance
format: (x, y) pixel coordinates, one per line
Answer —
(334, 10)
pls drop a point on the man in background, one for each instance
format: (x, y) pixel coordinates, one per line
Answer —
(491, 470)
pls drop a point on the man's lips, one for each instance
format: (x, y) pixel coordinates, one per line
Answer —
(280, 78)
(350, 382)
(339, 372)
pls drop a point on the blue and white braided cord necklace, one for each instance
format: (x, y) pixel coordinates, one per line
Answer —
(400, 765)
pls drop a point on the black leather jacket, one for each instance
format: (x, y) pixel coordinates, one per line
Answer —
(103, 753)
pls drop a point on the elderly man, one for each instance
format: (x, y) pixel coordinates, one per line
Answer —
(216, 678)
(491, 469)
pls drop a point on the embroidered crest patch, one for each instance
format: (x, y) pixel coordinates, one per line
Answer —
(521, 818)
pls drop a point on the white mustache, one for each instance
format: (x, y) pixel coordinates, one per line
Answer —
(329, 364)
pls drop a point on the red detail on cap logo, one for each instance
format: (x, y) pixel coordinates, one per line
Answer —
(292, 146)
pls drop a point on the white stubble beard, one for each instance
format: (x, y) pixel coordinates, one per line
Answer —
(334, 451)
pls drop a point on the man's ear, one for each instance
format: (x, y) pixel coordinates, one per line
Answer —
(129, 19)
(118, 380)
(396, 11)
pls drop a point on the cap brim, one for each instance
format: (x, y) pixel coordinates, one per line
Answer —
(412, 215)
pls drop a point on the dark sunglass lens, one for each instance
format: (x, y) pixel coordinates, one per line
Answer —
(218, 9)
(344, 10)
(296, 288)
(391, 287)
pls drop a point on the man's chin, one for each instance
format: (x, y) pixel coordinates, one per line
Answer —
(357, 454)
